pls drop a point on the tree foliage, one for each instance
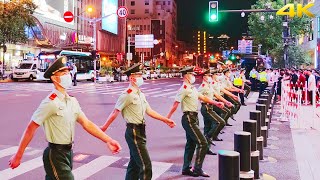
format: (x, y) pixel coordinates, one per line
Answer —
(15, 15)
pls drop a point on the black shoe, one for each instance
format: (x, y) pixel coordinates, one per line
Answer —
(217, 139)
(228, 124)
(209, 140)
(243, 104)
(210, 152)
(201, 173)
(189, 172)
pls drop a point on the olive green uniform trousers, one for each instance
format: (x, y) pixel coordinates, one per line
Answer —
(195, 141)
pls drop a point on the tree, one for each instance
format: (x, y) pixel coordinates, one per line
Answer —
(269, 32)
(15, 15)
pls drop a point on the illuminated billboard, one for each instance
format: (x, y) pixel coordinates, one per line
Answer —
(54, 9)
(110, 23)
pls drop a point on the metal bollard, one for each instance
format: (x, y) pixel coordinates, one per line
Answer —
(269, 116)
(251, 127)
(255, 164)
(242, 144)
(260, 147)
(256, 115)
(267, 97)
(229, 165)
(262, 108)
(268, 123)
(264, 131)
(263, 101)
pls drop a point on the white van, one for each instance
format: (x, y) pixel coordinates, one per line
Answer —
(25, 70)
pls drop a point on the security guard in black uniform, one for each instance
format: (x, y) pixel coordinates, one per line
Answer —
(58, 114)
(133, 106)
(188, 97)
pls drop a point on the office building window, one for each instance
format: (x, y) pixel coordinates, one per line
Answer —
(146, 11)
(164, 3)
(133, 11)
(145, 27)
(146, 2)
(169, 2)
(141, 27)
(148, 27)
(133, 3)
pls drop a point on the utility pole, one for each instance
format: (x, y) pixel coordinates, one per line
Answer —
(285, 34)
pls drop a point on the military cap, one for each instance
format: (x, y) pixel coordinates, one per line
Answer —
(226, 70)
(187, 70)
(207, 72)
(57, 65)
(135, 69)
(215, 71)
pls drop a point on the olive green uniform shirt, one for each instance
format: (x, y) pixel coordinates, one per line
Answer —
(188, 97)
(133, 105)
(58, 114)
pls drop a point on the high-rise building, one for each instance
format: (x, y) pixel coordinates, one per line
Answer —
(157, 17)
(223, 42)
(200, 40)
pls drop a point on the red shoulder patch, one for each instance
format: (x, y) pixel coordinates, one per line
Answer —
(212, 82)
(53, 96)
(129, 91)
(203, 85)
(185, 86)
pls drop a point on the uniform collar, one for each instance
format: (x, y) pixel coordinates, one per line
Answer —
(188, 85)
(134, 89)
(60, 95)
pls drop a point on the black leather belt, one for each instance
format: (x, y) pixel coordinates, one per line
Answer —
(206, 104)
(190, 112)
(67, 147)
(132, 125)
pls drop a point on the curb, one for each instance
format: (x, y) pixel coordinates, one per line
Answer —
(6, 81)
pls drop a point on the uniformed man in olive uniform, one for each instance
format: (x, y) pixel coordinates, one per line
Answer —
(213, 123)
(225, 112)
(133, 106)
(188, 97)
(58, 114)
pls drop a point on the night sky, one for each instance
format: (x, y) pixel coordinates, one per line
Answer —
(193, 15)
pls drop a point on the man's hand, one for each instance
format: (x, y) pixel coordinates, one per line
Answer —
(14, 161)
(103, 128)
(114, 146)
(220, 105)
(229, 104)
(235, 98)
(170, 123)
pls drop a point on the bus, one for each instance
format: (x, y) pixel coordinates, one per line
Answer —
(83, 61)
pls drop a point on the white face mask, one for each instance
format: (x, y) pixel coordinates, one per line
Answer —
(65, 81)
(139, 81)
(192, 80)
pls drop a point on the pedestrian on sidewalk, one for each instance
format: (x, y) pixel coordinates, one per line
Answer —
(74, 74)
(188, 97)
(58, 114)
(133, 106)
(311, 85)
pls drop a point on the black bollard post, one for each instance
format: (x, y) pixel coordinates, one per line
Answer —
(264, 132)
(242, 144)
(251, 127)
(262, 108)
(263, 101)
(260, 147)
(255, 164)
(229, 165)
(267, 97)
(256, 115)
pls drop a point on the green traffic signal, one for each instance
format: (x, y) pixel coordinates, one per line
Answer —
(232, 57)
(213, 11)
(159, 66)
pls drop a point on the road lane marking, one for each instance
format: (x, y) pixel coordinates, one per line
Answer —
(166, 90)
(23, 168)
(8, 151)
(87, 170)
(164, 94)
(174, 85)
(158, 168)
(33, 152)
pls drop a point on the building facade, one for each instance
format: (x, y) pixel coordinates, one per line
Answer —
(157, 17)
(53, 33)
(223, 42)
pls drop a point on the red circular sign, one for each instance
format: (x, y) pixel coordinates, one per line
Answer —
(68, 16)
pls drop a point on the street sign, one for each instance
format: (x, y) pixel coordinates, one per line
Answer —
(245, 46)
(122, 12)
(68, 16)
(144, 41)
(129, 56)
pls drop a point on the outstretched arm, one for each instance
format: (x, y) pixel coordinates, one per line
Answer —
(157, 116)
(95, 131)
(25, 140)
(173, 109)
(110, 119)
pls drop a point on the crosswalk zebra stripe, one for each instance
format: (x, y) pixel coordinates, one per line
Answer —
(93, 167)
(8, 151)
(33, 152)
(164, 94)
(166, 90)
(158, 168)
(23, 168)
(173, 85)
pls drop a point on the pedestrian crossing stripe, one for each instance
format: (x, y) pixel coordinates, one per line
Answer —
(90, 164)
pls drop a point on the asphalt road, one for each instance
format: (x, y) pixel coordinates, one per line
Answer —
(92, 160)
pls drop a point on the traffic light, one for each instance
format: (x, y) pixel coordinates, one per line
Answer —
(159, 66)
(232, 57)
(213, 11)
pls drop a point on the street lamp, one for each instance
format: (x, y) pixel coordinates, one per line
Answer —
(89, 10)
